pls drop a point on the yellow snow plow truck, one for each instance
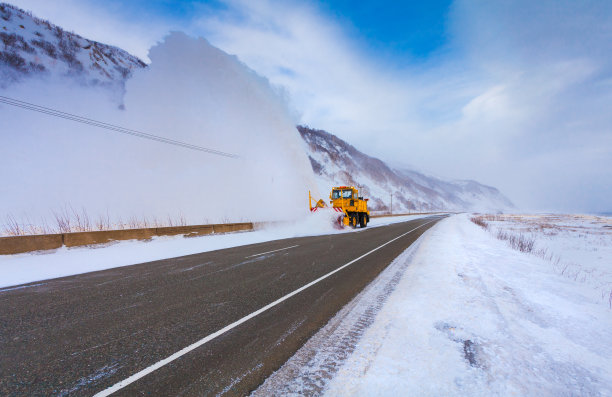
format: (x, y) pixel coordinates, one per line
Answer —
(352, 210)
(355, 208)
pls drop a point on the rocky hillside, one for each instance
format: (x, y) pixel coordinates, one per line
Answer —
(32, 46)
(335, 162)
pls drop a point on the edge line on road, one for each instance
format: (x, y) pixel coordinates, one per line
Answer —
(144, 372)
(269, 252)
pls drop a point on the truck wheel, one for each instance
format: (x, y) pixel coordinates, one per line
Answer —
(362, 220)
(353, 221)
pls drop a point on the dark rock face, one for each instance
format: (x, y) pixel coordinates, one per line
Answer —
(335, 162)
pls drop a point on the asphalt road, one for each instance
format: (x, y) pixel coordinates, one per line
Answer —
(81, 335)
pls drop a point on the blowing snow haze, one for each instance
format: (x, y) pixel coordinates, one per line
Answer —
(190, 92)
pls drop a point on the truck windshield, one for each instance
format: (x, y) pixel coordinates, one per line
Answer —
(347, 193)
(335, 194)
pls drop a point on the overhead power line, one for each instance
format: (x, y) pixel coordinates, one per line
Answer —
(111, 127)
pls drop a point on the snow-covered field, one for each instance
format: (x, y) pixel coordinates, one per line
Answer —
(578, 246)
(30, 267)
(462, 313)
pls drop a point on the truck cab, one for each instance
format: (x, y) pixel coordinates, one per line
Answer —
(355, 208)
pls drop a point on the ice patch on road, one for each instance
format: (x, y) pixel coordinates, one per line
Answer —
(21, 287)
(100, 373)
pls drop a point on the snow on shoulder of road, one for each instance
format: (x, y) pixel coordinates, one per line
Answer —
(31, 267)
(459, 313)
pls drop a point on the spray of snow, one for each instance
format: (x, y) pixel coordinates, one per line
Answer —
(324, 221)
(192, 92)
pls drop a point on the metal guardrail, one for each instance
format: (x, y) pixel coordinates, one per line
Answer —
(407, 214)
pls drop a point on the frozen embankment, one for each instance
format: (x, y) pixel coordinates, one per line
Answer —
(460, 313)
(30, 267)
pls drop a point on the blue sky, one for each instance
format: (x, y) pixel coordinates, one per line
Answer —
(406, 29)
(514, 94)
(403, 30)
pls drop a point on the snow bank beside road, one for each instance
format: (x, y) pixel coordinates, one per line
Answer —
(469, 316)
(577, 246)
(30, 267)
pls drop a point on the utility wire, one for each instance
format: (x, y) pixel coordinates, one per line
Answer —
(116, 128)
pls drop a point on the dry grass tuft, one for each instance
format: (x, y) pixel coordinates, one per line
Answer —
(70, 220)
(479, 220)
(518, 242)
(519, 232)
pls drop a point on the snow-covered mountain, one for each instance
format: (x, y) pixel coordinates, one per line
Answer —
(32, 46)
(335, 162)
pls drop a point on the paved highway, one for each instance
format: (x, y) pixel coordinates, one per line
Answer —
(206, 324)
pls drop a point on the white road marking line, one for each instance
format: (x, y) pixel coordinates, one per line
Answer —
(269, 252)
(120, 385)
(22, 287)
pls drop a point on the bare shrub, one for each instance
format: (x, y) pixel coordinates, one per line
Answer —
(36, 67)
(518, 242)
(156, 222)
(133, 223)
(6, 12)
(70, 220)
(103, 222)
(13, 60)
(81, 221)
(46, 46)
(62, 221)
(59, 32)
(12, 227)
(9, 39)
(479, 220)
(16, 42)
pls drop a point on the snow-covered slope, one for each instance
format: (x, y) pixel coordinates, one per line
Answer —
(335, 162)
(32, 46)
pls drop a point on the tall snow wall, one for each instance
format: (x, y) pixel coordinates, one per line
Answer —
(191, 92)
